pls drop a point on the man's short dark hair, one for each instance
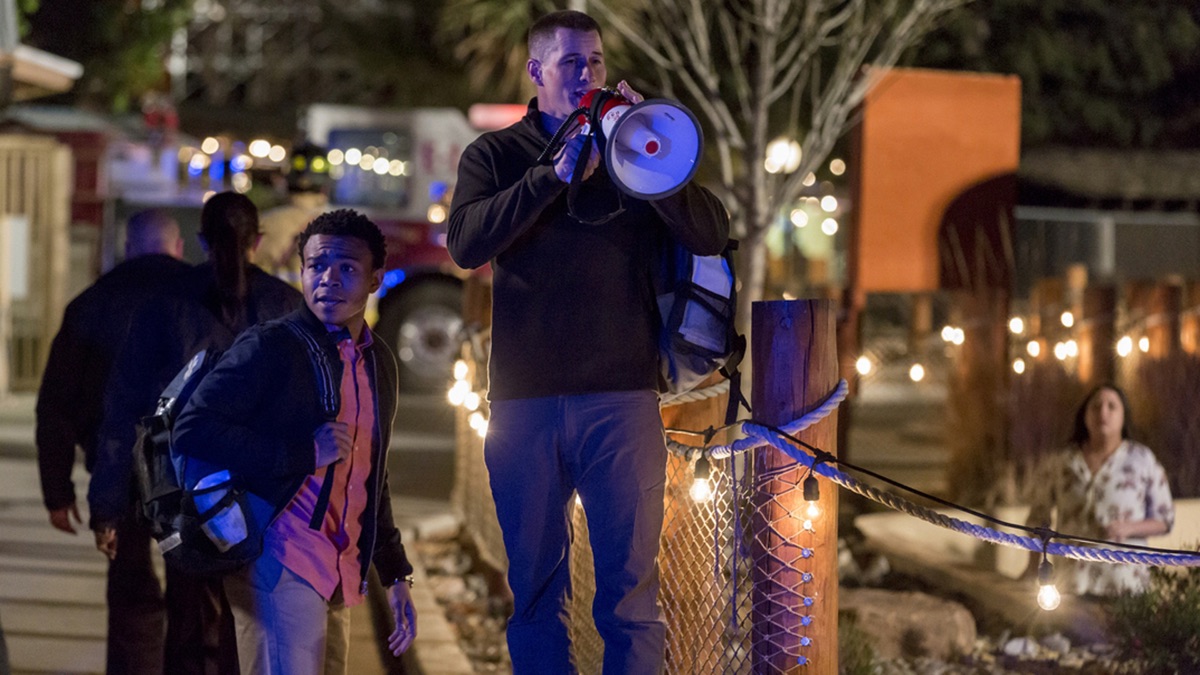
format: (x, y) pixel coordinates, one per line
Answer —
(542, 30)
(348, 223)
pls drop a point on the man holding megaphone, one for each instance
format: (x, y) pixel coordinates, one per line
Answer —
(574, 372)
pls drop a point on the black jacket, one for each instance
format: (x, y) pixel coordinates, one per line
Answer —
(163, 336)
(573, 304)
(256, 413)
(70, 401)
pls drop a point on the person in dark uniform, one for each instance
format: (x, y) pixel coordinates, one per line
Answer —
(69, 410)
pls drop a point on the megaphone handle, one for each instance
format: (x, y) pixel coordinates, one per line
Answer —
(581, 162)
(556, 141)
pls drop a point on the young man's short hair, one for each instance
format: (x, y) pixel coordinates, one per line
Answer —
(348, 223)
(542, 30)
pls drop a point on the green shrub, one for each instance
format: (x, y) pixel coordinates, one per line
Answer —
(856, 655)
(1160, 629)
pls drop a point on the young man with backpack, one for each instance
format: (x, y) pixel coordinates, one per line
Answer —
(574, 363)
(261, 413)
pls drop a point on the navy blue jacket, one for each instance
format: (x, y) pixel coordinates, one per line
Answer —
(256, 413)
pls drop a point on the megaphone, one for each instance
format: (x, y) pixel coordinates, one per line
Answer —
(652, 148)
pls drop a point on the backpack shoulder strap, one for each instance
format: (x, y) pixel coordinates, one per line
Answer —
(322, 369)
(330, 404)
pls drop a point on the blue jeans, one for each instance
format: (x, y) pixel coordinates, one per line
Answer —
(609, 447)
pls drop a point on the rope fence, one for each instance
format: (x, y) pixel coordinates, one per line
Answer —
(709, 577)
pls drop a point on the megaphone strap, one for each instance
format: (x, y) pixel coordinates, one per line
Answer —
(577, 180)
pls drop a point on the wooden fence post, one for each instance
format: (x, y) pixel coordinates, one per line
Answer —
(795, 569)
(1098, 335)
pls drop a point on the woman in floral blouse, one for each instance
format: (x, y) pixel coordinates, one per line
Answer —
(1104, 486)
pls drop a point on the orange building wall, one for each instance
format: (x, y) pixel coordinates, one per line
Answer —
(925, 137)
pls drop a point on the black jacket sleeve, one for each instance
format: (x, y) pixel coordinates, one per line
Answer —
(218, 423)
(486, 217)
(59, 405)
(144, 366)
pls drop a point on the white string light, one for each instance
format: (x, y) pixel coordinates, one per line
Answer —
(916, 373)
(458, 393)
(1067, 319)
(1048, 597)
(1125, 346)
(863, 365)
(1016, 325)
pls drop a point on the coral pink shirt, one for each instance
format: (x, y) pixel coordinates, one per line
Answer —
(328, 558)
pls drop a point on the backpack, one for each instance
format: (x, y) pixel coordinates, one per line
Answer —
(191, 504)
(697, 306)
(175, 521)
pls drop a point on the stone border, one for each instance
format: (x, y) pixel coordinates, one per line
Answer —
(436, 650)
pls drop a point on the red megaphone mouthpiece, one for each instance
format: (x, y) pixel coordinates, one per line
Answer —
(613, 100)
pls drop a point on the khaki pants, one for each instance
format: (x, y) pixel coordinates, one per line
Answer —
(284, 627)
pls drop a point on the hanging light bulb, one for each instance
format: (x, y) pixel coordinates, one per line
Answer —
(863, 365)
(1125, 346)
(1143, 344)
(701, 490)
(460, 370)
(458, 393)
(1016, 325)
(1067, 318)
(471, 401)
(812, 495)
(916, 373)
(1048, 597)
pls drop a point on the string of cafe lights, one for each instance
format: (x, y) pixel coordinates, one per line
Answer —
(1134, 338)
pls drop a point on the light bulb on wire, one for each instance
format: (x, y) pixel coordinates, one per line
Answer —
(701, 490)
(1125, 346)
(916, 373)
(812, 495)
(458, 393)
(1048, 597)
(460, 370)
(472, 400)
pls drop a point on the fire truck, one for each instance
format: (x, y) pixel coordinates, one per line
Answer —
(399, 167)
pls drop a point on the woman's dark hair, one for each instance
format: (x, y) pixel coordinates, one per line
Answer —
(1080, 434)
(229, 225)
